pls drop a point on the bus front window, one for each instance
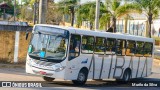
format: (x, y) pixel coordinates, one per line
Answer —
(52, 47)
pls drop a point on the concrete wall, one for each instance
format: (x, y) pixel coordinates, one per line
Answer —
(15, 28)
(8, 45)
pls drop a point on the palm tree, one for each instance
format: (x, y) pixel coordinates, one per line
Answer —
(86, 12)
(69, 8)
(104, 17)
(116, 10)
(150, 9)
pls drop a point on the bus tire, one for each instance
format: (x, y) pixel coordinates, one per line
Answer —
(126, 75)
(48, 79)
(82, 78)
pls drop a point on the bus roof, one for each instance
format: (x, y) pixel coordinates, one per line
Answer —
(101, 34)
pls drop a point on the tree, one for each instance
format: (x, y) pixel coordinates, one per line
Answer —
(105, 21)
(26, 13)
(68, 7)
(104, 17)
(54, 16)
(115, 10)
(150, 9)
(86, 12)
(8, 10)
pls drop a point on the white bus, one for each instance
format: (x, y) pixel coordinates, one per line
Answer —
(78, 55)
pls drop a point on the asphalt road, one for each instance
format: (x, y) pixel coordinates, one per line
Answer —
(18, 74)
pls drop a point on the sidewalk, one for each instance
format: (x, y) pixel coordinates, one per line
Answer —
(12, 66)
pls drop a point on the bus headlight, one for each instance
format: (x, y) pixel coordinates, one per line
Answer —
(60, 69)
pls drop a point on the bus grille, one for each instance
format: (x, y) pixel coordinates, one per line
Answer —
(44, 63)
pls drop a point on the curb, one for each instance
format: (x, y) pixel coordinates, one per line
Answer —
(12, 66)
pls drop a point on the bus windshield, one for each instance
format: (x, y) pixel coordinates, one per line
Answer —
(51, 47)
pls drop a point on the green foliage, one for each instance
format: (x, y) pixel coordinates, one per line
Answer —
(26, 14)
(149, 6)
(10, 10)
(26, 2)
(86, 12)
(127, 8)
(116, 10)
(68, 7)
(150, 9)
(105, 18)
(54, 15)
(115, 4)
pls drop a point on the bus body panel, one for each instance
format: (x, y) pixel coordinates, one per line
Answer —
(141, 65)
(111, 75)
(135, 66)
(40, 70)
(74, 66)
(149, 65)
(106, 66)
(99, 66)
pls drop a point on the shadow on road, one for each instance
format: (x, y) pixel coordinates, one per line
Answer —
(104, 83)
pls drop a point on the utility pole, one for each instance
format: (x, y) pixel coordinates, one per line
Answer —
(42, 11)
(97, 15)
(14, 10)
(35, 12)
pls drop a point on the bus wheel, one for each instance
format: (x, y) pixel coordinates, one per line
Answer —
(82, 78)
(48, 79)
(126, 76)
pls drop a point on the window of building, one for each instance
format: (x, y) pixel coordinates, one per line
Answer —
(100, 45)
(131, 45)
(121, 47)
(148, 49)
(139, 48)
(87, 44)
(74, 49)
(111, 46)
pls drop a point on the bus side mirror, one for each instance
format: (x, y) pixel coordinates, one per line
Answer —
(27, 35)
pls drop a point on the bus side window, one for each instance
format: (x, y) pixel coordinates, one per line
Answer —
(74, 49)
(139, 48)
(121, 47)
(148, 49)
(111, 46)
(130, 49)
(100, 45)
(87, 44)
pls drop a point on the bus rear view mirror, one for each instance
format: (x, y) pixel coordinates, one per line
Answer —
(27, 35)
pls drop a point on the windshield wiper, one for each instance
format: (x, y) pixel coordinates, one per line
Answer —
(34, 56)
